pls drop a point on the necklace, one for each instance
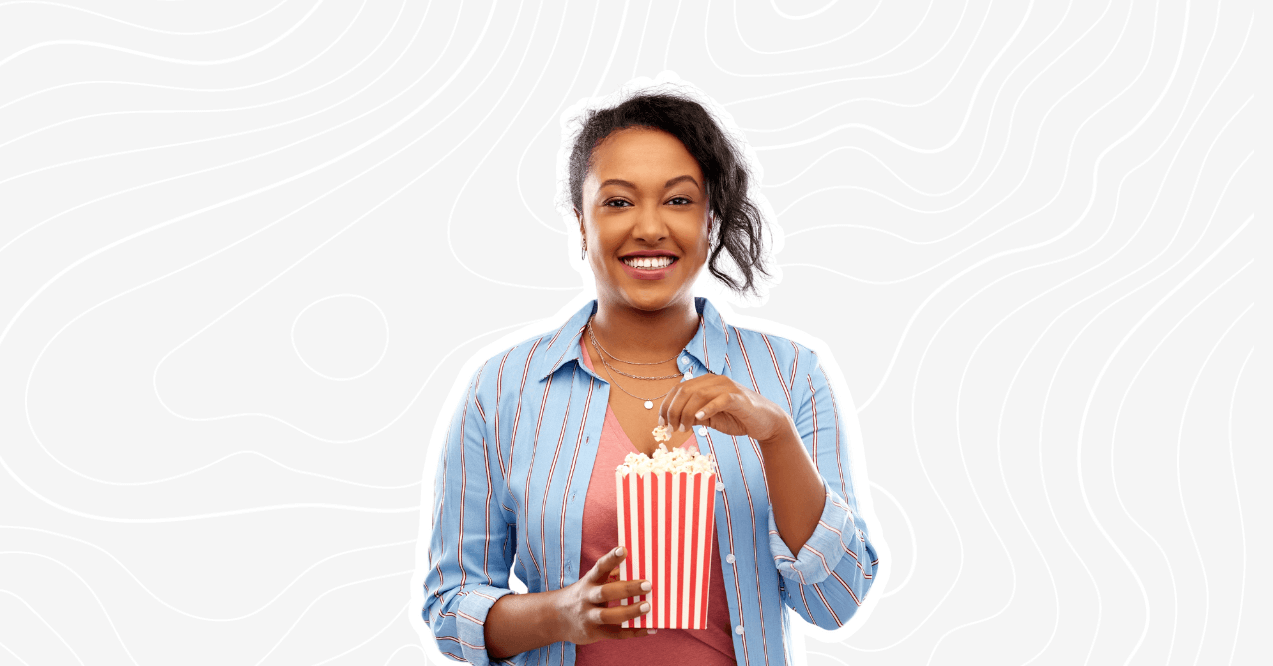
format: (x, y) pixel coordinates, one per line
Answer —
(611, 367)
(602, 356)
(594, 340)
(648, 402)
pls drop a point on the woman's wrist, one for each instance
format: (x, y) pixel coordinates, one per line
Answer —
(551, 618)
(518, 623)
(785, 438)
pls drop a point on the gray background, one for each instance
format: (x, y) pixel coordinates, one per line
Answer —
(247, 248)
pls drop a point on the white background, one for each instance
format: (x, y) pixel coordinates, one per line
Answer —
(246, 247)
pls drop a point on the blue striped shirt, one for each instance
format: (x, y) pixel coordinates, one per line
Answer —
(517, 462)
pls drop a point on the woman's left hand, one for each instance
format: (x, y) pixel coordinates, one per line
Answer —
(724, 405)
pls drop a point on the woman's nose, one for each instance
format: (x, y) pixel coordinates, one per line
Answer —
(650, 226)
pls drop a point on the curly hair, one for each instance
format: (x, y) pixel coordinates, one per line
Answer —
(739, 223)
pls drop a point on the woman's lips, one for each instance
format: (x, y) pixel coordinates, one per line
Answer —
(648, 273)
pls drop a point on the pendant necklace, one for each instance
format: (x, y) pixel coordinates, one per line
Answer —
(602, 353)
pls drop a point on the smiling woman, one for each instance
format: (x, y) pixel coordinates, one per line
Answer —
(644, 227)
(527, 473)
(658, 135)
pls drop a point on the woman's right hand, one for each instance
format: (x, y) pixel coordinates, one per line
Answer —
(582, 607)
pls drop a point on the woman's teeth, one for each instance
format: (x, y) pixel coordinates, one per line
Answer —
(648, 262)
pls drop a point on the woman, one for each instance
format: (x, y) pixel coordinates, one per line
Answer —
(526, 477)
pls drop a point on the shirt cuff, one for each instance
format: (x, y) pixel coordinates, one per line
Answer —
(822, 552)
(470, 623)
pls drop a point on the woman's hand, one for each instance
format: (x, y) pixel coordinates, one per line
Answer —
(726, 406)
(582, 609)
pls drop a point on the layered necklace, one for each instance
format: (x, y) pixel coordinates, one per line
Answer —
(602, 354)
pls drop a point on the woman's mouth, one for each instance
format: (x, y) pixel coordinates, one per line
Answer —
(648, 268)
(649, 262)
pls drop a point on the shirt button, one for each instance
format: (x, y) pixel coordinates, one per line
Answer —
(702, 431)
(739, 630)
(720, 487)
(729, 558)
(685, 360)
(689, 375)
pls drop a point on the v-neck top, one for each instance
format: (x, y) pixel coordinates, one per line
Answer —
(712, 646)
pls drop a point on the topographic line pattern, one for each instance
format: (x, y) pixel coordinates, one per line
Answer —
(248, 251)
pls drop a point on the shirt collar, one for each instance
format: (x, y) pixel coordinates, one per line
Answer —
(708, 345)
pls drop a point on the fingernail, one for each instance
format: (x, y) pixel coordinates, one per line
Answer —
(619, 552)
(661, 419)
(645, 586)
(654, 631)
(698, 415)
(645, 608)
(680, 428)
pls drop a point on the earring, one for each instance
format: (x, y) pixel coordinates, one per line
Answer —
(583, 252)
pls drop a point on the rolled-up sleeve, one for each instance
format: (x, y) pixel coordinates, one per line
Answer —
(468, 562)
(827, 581)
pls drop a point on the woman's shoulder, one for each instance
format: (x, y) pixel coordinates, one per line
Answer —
(759, 347)
(520, 363)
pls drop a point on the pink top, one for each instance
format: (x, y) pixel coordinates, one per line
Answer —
(712, 646)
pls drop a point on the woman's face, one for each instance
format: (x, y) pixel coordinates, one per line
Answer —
(644, 205)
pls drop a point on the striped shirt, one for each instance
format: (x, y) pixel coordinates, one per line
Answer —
(518, 458)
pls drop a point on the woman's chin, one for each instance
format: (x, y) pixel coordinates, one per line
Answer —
(652, 299)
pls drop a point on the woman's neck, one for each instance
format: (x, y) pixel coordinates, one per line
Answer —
(645, 336)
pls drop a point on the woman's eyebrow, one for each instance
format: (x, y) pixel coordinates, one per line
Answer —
(668, 184)
(680, 179)
(624, 183)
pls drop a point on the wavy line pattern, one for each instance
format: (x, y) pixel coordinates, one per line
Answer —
(246, 248)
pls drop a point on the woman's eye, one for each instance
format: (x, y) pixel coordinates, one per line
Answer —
(616, 203)
(680, 201)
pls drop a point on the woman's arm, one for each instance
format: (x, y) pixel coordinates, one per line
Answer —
(818, 543)
(796, 496)
(796, 493)
(469, 563)
(828, 577)
(468, 605)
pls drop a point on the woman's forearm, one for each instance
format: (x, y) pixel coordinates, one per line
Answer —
(517, 623)
(795, 488)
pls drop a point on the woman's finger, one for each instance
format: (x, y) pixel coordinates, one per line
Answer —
(693, 405)
(677, 417)
(604, 594)
(665, 408)
(687, 407)
(607, 563)
(713, 407)
(620, 614)
(624, 589)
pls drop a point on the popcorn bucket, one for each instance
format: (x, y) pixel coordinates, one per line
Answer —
(667, 525)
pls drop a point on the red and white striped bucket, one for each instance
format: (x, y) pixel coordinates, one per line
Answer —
(667, 525)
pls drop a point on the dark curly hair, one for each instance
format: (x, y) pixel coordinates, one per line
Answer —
(739, 222)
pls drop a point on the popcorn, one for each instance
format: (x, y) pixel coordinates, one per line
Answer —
(675, 461)
(666, 511)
